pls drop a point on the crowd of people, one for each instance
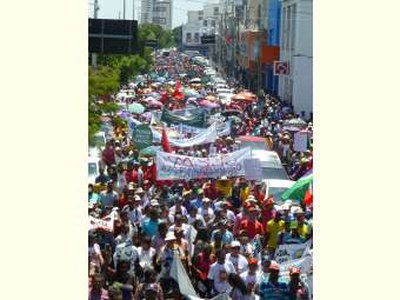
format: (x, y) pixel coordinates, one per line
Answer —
(226, 239)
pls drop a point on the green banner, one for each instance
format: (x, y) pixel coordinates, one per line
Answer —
(197, 119)
(142, 136)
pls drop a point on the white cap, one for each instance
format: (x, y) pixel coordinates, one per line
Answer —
(170, 236)
(235, 244)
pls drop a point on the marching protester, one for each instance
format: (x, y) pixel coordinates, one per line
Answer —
(172, 211)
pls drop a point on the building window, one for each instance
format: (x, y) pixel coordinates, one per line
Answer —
(200, 18)
(188, 37)
(212, 23)
(216, 11)
(205, 23)
(196, 37)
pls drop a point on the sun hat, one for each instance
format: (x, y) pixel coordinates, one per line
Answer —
(274, 265)
(170, 236)
(137, 198)
(235, 244)
(206, 200)
(154, 202)
(139, 191)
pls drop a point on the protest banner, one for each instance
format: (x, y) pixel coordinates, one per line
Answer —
(289, 252)
(197, 119)
(142, 136)
(206, 136)
(300, 141)
(106, 225)
(252, 169)
(223, 129)
(180, 275)
(176, 167)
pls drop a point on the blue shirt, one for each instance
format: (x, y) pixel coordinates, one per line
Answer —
(150, 227)
(196, 203)
(227, 237)
(94, 198)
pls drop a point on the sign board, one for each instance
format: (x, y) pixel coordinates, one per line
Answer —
(252, 169)
(288, 252)
(208, 39)
(300, 141)
(281, 68)
(112, 36)
(142, 136)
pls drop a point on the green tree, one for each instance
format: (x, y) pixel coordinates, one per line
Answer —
(103, 82)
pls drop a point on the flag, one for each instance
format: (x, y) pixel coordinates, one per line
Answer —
(178, 91)
(299, 189)
(165, 142)
(308, 198)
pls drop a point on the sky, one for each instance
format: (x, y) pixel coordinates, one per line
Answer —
(111, 9)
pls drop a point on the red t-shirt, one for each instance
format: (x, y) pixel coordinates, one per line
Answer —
(252, 227)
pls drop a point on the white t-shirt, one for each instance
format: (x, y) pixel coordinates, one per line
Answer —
(239, 262)
(185, 228)
(214, 274)
(247, 278)
(191, 220)
(204, 212)
(172, 210)
(135, 215)
(146, 257)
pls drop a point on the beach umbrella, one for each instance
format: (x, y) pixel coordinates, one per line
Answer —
(136, 108)
(208, 104)
(245, 96)
(299, 189)
(150, 98)
(155, 103)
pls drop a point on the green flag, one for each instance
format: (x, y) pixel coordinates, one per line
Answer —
(299, 189)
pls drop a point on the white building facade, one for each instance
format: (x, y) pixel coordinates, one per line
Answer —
(296, 47)
(195, 15)
(146, 12)
(162, 13)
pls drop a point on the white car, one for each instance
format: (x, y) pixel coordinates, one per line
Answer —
(271, 165)
(94, 164)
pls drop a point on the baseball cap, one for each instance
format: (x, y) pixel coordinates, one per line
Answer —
(253, 261)
(274, 265)
(235, 244)
(294, 270)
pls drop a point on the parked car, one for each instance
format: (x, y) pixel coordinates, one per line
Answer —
(94, 164)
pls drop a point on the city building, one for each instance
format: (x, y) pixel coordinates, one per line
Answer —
(296, 47)
(273, 21)
(146, 14)
(157, 12)
(195, 15)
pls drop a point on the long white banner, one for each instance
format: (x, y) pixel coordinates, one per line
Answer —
(222, 129)
(176, 167)
(207, 136)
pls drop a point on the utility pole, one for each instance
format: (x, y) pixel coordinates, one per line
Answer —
(133, 9)
(123, 9)
(96, 9)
